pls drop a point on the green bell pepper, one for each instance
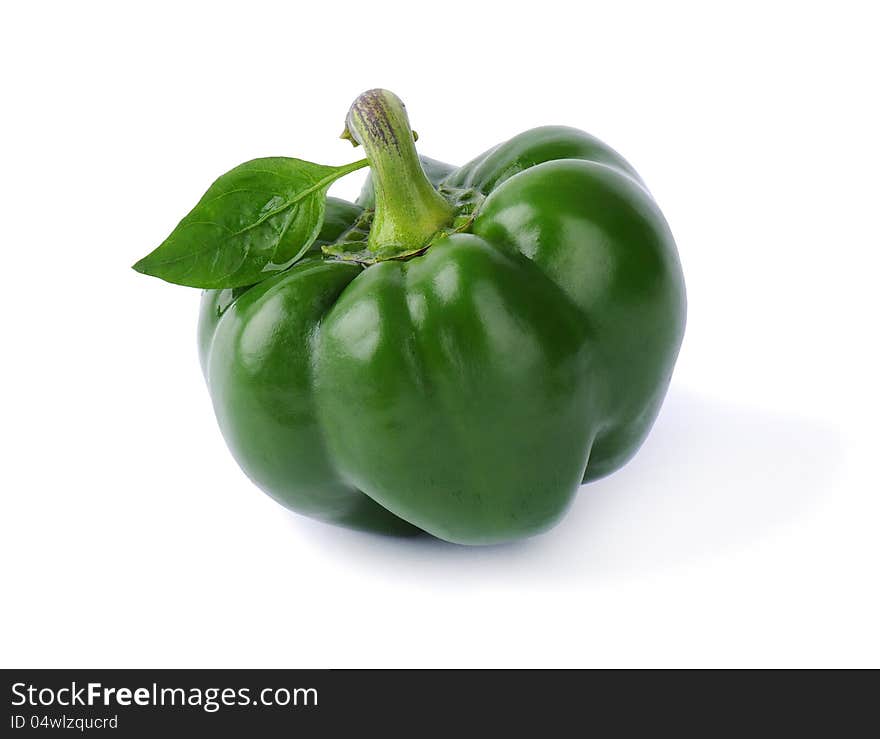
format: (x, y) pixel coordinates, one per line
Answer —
(460, 348)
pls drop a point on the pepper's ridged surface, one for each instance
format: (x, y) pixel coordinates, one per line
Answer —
(466, 391)
(476, 430)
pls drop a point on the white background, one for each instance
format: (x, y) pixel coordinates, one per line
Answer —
(745, 533)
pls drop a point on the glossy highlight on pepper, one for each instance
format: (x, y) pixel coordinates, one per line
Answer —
(447, 368)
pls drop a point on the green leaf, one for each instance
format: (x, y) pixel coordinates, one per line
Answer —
(255, 220)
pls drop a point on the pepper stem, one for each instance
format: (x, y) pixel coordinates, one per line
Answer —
(409, 211)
